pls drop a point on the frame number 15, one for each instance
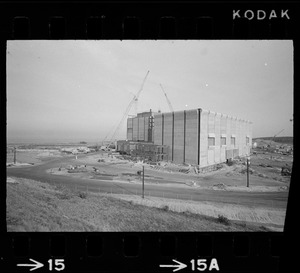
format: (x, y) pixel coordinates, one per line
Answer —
(58, 264)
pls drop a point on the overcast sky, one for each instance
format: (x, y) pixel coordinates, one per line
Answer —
(79, 90)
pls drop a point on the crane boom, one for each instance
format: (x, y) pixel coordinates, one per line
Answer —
(168, 101)
(142, 86)
(277, 134)
(135, 98)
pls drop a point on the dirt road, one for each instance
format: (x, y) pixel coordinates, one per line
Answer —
(168, 189)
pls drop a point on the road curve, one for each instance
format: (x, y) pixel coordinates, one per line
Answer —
(255, 199)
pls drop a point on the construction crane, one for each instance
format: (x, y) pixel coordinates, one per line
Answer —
(276, 135)
(135, 98)
(168, 101)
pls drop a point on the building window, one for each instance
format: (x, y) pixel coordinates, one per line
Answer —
(223, 140)
(233, 141)
(211, 141)
(247, 140)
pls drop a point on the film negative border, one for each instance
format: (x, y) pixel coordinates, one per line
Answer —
(150, 21)
(112, 252)
(142, 252)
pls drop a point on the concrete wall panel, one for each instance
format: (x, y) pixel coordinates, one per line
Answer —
(211, 122)
(210, 156)
(129, 123)
(223, 125)
(129, 128)
(217, 150)
(233, 133)
(223, 154)
(228, 129)
(135, 129)
(141, 135)
(157, 132)
(129, 133)
(178, 137)
(217, 138)
(146, 128)
(168, 129)
(204, 138)
(233, 126)
(242, 138)
(191, 137)
(238, 135)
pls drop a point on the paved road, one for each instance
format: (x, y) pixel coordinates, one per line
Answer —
(38, 172)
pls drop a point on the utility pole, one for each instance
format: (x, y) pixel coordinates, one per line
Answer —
(143, 182)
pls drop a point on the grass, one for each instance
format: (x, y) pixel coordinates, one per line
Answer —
(36, 206)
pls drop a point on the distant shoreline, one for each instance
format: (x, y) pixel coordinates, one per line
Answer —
(282, 139)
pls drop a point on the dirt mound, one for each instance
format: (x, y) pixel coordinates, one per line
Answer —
(220, 186)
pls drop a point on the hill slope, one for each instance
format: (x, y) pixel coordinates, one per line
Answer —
(36, 206)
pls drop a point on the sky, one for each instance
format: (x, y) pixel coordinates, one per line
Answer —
(79, 90)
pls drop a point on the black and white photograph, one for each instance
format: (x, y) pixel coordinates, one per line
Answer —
(148, 135)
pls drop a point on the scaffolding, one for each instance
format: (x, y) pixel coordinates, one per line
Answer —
(144, 150)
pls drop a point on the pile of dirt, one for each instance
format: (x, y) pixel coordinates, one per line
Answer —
(78, 170)
(175, 168)
(191, 183)
(112, 159)
(220, 186)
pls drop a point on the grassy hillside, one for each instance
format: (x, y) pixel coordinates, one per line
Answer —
(36, 206)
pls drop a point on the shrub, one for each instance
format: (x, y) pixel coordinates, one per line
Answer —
(186, 212)
(230, 162)
(82, 195)
(64, 194)
(263, 228)
(243, 224)
(223, 220)
(165, 208)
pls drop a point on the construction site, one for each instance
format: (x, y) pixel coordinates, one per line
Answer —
(195, 137)
(195, 161)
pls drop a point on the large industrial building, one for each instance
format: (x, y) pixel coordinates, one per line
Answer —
(197, 137)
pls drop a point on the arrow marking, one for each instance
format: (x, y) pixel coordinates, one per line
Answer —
(36, 265)
(179, 265)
